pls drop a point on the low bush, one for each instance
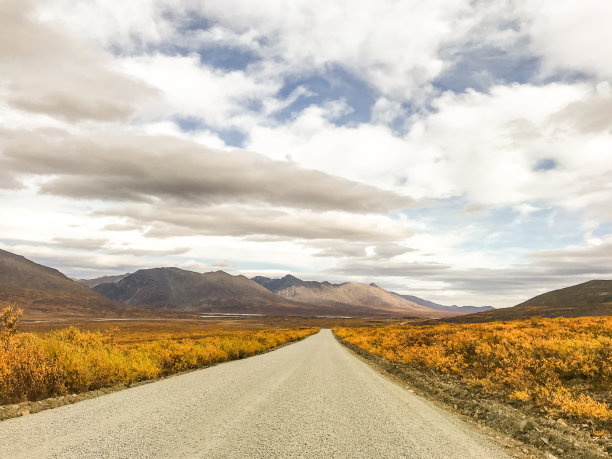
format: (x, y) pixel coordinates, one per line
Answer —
(33, 367)
(558, 364)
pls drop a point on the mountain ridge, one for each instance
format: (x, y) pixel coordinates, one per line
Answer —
(44, 292)
(215, 292)
(326, 293)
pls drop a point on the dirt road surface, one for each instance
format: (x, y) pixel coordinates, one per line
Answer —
(310, 399)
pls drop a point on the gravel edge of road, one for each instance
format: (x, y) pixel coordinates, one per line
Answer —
(527, 435)
(28, 407)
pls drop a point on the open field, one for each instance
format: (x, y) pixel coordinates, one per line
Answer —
(34, 366)
(128, 332)
(563, 366)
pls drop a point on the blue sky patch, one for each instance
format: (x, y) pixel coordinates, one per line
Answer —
(605, 229)
(545, 164)
(334, 84)
(189, 124)
(481, 67)
(226, 58)
(502, 230)
(230, 136)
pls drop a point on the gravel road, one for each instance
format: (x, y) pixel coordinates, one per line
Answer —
(309, 399)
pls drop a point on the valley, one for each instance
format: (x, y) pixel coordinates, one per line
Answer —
(78, 340)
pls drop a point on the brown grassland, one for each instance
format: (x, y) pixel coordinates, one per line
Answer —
(561, 365)
(34, 366)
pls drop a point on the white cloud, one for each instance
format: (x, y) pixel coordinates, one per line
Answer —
(365, 152)
(483, 147)
(570, 35)
(418, 41)
(112, 23)
(299, 37)
(193, 90)
(44, 71)
(307, 36)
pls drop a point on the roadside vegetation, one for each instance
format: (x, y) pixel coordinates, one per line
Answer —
(67, 361)
(561, 365)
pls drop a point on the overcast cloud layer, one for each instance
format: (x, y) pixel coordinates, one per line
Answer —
(459, 151)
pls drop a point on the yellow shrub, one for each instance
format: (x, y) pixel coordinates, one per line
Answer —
(34, 367)
(543, 360)
(521, 395)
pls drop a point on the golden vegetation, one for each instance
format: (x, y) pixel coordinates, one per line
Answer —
(134, 331)
(37, 366)
(8, 322)
(562, 365)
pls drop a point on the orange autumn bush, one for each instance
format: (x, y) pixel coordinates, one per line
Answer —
(33, 367)
(554, 363)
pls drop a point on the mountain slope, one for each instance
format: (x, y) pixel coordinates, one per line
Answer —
(592, 298)
(346, 295)
(45, 293)
(440, 307)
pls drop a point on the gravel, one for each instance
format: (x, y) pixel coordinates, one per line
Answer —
(309, 399)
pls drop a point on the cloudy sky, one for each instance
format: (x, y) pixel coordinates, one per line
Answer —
(456, 150)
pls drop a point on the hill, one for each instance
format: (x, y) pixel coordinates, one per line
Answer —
(346, 295)
(592, 298)
(45, 293)
(440, 307)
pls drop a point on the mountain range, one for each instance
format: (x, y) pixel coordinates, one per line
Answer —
(189, 291)
(45, 293)
(223, 293)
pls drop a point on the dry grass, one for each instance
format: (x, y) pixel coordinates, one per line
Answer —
(36, 366)
(561, 365)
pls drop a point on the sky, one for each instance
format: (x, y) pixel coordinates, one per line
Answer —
(460, 151)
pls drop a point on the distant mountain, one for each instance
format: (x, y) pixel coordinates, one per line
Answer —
(45, 293)
(188, 290)
(91, 283)
(439, 307)
(347, 295)
(211, 292)
(592, 298)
